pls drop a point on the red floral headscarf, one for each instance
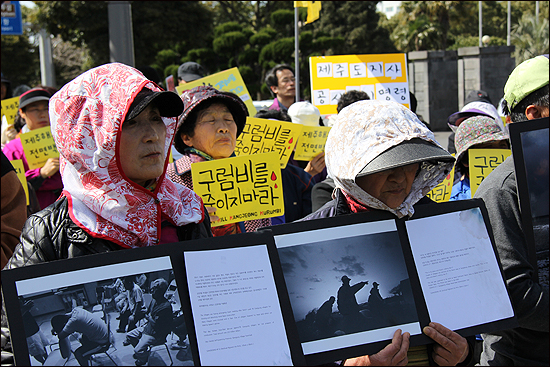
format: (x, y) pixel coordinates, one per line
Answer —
(86, 121)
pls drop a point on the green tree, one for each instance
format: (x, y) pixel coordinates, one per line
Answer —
(530, 36)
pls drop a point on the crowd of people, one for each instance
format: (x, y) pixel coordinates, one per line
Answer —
(113, 188)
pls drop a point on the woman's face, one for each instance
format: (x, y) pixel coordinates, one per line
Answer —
(142, 146)
(215, 132)
(36, 115)
(391, 186)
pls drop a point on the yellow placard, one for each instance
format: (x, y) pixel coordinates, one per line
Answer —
(240, 188)
(229, 80)
(39, 146)
(311, 142)
(482, 162)
(382, 76)
(263, 135)
(20, 170)
(9, 109)
(442, 192)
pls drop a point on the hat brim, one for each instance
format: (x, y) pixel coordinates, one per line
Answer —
(168, 103)
(468, 113)
(32, 100)
(190, 77)
(408, 152)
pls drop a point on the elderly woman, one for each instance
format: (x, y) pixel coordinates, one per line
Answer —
(45, 180)
(207, 130)
(382, 157)
(113, 129)
(478, 132)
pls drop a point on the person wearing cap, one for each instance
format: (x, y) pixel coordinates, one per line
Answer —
(95, 333)
(382, 157)
(477, 103)
(282, 84)
(526, 98)
(346, 301)
(45, 180)
(113, 129)
(207, 130)
(190, 71)
(478, 132)
(306, 114)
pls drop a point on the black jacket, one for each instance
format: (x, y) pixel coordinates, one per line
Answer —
(52, 235)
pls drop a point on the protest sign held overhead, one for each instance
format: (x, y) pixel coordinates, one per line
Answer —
(382, 76)
(39, 146)
(311, 142)
(229, 80)
(9, 109)
(240, 188)
(263, 136)
(482, 162)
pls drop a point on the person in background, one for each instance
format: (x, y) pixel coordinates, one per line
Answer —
(207, 130)
(282, 84)
(36, 340)
(478, 132)
(13, 211)
(134, 310)
(46, 180)
(297, 183)
(190, 71)
(477, 103)
(304, 113)
(382, 157)
(129, 131)
(322, 191)
(526, 98)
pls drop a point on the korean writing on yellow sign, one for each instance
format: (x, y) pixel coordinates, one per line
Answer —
(20, 170)
(39, 146)
(229, 80)
(263, 136)
(442, 192)
(9, 109)
(240, 188)
(311, 142)
(482, 162)
(382, 76)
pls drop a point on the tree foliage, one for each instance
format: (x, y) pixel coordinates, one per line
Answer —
(530, 36)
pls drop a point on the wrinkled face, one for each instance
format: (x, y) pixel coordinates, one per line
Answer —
(391, 186)
(36, 115)
(142, 146)
(215, 132)
(286, 84)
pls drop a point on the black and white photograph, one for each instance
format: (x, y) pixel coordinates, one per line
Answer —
(131, 317)
(347, 283)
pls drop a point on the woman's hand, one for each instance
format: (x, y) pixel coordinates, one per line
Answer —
(316, 165)
(50, 168)
(451, 348)
(211, 210)
(394, 354)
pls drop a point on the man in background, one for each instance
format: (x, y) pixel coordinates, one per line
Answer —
(281, 82)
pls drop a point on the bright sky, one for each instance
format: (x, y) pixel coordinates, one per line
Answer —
(28, 4)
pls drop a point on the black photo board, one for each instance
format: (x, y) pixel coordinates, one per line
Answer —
(214, 278)
(440, 265)
(529, 141)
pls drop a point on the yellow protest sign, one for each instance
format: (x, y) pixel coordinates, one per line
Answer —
(229, 81)
(240, 188)
(482, 162)
(382, 76)
(263, 135)
(442, 192)
(20, 170)
(9, 109)
(38, 146)
(311, 142)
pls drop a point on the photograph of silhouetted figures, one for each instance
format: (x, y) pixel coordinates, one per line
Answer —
(348, 285)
